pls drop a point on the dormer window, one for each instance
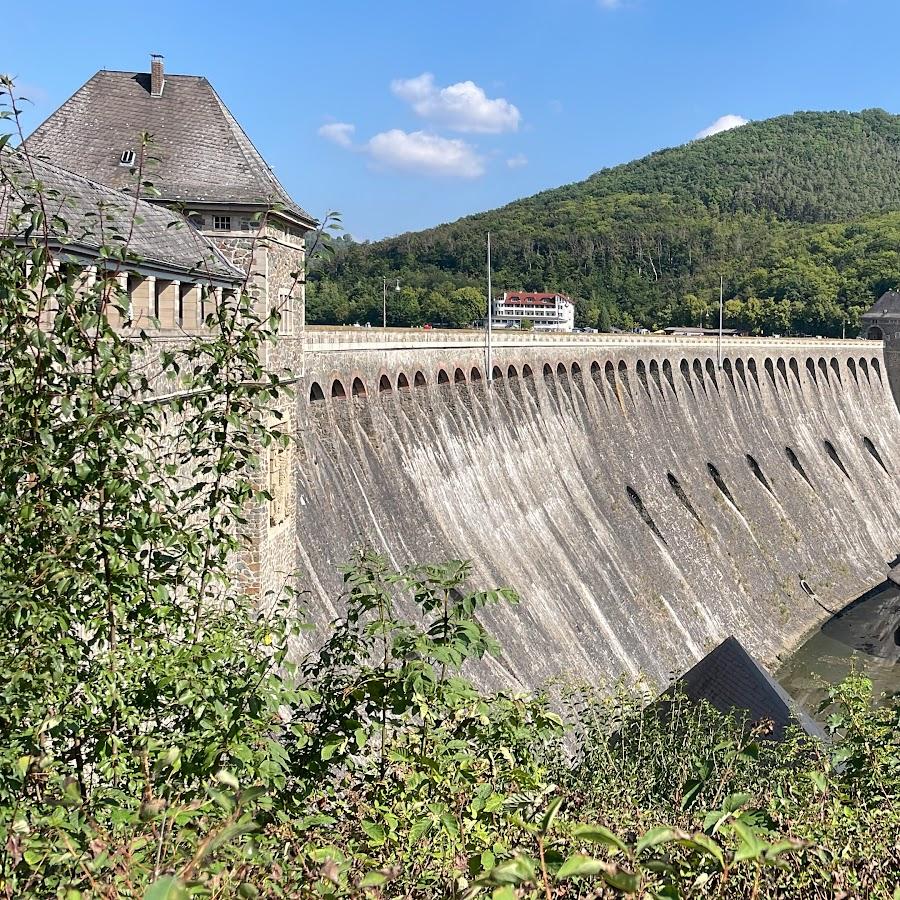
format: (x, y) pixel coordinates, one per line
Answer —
(222, 223)
(127, 158)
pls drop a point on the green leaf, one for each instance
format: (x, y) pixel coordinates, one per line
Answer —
(550, 815)
(168, 887)
(598, 834)
(517, 870)
(374, 831)
(419, 829)
(373, 879)
(578, 864)
(662, 834)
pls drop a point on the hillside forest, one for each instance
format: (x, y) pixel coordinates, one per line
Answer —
(800, 215)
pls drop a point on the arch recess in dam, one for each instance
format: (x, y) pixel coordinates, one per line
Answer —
(644, 502)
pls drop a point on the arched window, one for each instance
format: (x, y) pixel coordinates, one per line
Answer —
(875, 333)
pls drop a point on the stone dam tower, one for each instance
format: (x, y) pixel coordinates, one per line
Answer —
(646, 496)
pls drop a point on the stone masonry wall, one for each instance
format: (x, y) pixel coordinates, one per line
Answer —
(644, 502)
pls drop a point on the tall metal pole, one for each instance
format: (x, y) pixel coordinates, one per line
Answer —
(384, 302)
(721, 313)
(490, 314)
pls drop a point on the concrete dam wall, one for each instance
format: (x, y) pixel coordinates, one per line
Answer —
(644, 502)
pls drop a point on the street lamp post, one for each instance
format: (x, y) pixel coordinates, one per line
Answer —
(384, 299)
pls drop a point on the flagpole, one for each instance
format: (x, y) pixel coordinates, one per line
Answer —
(490, 314)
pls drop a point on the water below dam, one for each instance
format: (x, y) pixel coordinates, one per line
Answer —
(864, 636)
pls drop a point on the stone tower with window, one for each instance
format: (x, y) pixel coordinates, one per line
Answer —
(882, 323)
(201, 163)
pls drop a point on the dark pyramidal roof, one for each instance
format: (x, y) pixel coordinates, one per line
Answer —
(888, 304)
(730, 679)
(201, 153)
(83, 216)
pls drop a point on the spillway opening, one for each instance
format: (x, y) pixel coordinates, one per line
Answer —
(384, 385)
(751, 368)
(679, 492)
(864, 368)
(638, 504)
(873, 450)
(337, 390)
(402, 382)
(358, 389)
(835, 458)
(876, 367)
(770, 371)
(667, 371)
(698, 374)
(729, 371)
(798, 466)
(686, 375)
(443, 377)
(511, 372)
(316, 392)
(611, 376)
(760, 475)
(459, 377)
(720, 484)
(496, 373)
(811, 368)
(642, 375)
(795, 368)
(527, 372)
(711, 374)
(782, 369)
(475, 374)
(654, 373)
(837, 371)
(419, 379)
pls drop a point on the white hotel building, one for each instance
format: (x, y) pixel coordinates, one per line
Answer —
(548, 312)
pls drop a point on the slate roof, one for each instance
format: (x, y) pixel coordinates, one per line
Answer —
(888, 304)
(730, 679)
(95, 215)
(203, 154)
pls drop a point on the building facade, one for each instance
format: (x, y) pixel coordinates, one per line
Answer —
(546, 312)
(882, 323)
(125, 130)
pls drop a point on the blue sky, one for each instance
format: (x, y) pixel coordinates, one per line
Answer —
(405, 114)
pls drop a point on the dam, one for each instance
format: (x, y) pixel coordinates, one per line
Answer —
(644, 500)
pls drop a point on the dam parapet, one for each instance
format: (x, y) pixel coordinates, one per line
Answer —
(644, 501)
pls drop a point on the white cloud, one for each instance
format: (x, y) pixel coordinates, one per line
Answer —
(463, 106)
(340, 133)
(424, 154)
(723, 123)
(517, 161)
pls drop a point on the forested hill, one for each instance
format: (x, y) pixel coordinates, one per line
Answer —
(800, 213)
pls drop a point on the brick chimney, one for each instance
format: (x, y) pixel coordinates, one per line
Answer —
(157, 78)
